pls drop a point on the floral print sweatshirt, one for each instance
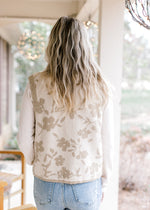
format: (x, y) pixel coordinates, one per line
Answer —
(65, 147)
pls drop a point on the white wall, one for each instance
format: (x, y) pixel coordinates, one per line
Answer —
(111, 43)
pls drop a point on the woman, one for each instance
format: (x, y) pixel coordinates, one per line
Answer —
(66, 124)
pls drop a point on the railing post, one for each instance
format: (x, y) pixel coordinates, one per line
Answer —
(2, 185)
(23, 180)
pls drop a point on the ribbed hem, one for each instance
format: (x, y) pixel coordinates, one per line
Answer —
(67, 181)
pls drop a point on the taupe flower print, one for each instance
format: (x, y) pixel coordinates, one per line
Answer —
(88, 129)
(64, 173)
(84, 133)
(38, 105)
(63, 144)
(48, 123)
(48, 160)
(95, 109)
(59, 160)
(39, 146)
(72, 114)
(73, 147)
(82, 155)
(79, 144)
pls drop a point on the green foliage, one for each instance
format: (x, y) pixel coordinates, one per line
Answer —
(12, 143)
(136, 56)
(24, 67)
(135, 102)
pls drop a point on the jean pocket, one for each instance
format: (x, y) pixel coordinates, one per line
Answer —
(87, 193)
(43, 191)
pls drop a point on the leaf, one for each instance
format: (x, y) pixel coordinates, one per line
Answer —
(62, 120)
(51, 150)
(40, 125)
(80, 116)
(55, 153)
(42, 100)
(56, 121)
(55, 135)
(70, 150)
(93, 127)
(46, 111)
(73, 141)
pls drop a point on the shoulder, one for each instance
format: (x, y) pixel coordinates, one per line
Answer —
(36, 77)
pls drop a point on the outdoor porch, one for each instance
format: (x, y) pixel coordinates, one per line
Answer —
(108, 15)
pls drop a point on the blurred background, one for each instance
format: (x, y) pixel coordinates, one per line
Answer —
(134, 188)
(23, 55)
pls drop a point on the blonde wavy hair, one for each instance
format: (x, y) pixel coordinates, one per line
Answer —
(71, 66)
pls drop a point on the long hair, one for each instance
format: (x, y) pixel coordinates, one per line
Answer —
(71, 66)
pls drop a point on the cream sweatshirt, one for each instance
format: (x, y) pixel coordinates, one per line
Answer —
(66, 148)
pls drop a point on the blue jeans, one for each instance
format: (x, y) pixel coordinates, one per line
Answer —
(60, 196)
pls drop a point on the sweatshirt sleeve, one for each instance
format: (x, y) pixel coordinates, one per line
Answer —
(25, 136)
(107, 143)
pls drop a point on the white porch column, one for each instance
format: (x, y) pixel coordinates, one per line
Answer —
(111, 43)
